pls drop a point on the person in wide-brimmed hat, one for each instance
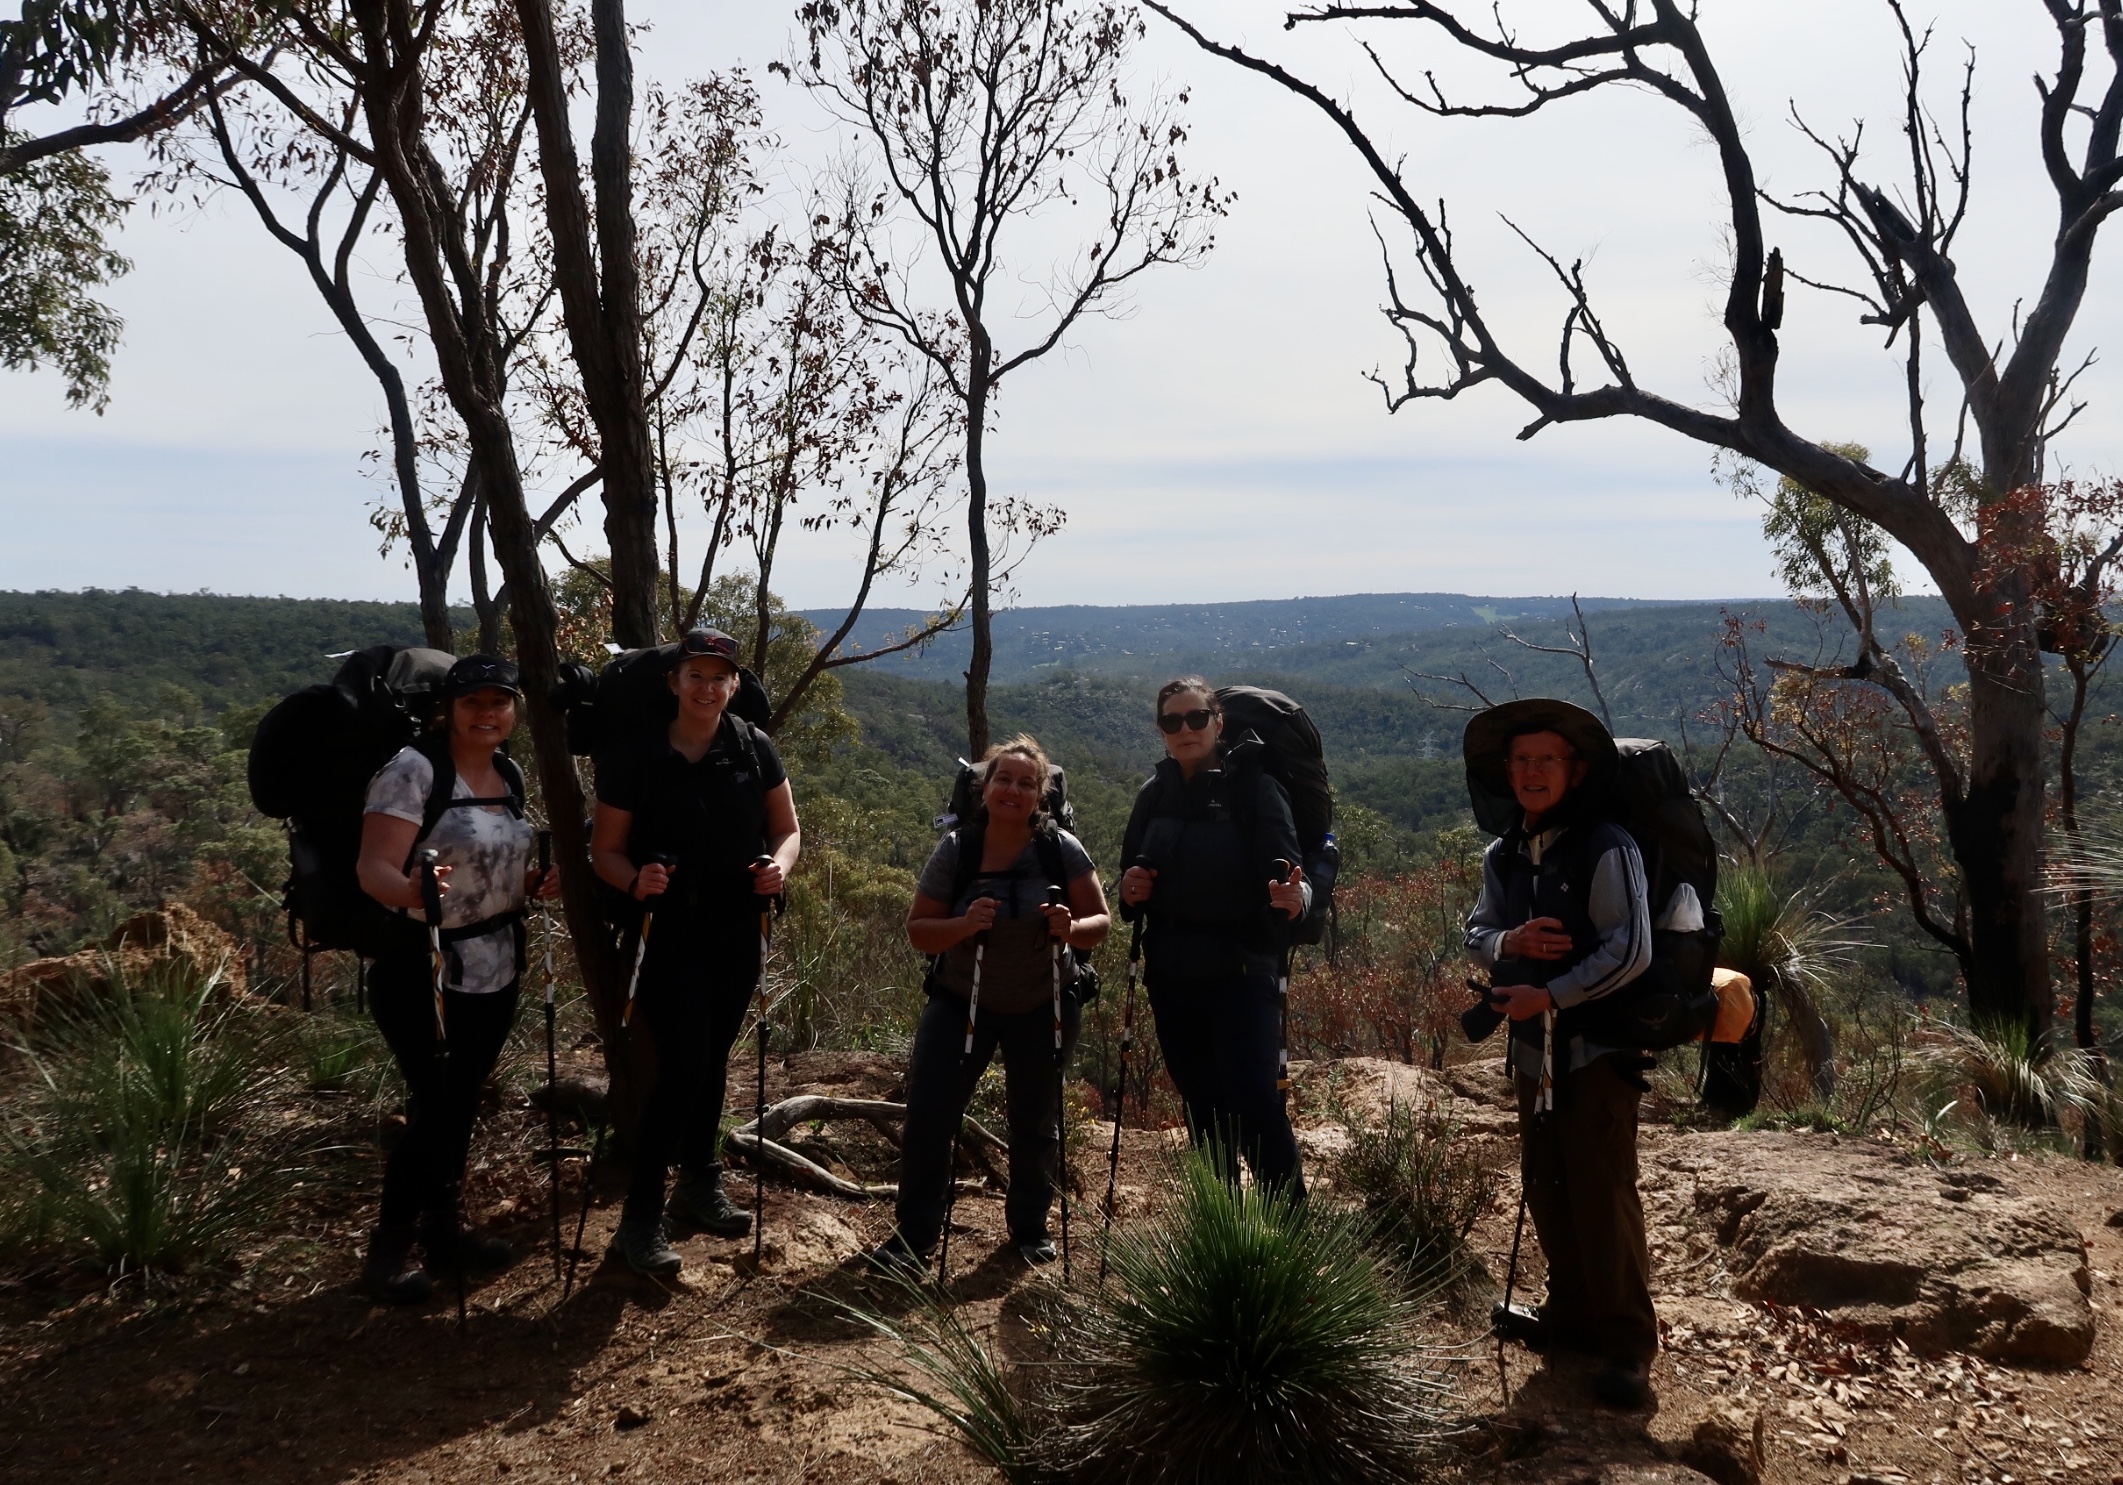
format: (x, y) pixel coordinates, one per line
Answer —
(1563, 921)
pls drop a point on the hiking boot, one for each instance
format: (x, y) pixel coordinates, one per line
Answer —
(895, 1259)
(646, 1248)
(452, 1248)
(388, 1272)
(700, 1200)
(1038, 1252)
(1623, 1383)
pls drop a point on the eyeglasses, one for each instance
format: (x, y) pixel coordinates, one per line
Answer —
(1194, 721)
(1542, 763)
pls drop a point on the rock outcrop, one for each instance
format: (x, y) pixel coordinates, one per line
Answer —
(142, 944)
(1941, 1258)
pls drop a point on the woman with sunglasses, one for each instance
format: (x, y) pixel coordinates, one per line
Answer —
(1203, 848)
(456, 793)
(982, 910)
(697, 826)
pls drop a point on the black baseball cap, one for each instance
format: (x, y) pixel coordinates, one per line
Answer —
(480, 673)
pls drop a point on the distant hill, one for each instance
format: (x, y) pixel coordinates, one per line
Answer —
(1131, 639)
(64, 648)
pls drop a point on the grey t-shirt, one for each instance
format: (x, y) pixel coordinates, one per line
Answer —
(1020, 959)
(490, 849)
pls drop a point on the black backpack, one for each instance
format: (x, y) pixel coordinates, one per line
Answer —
(1647, 794)
(1729, 1082)
(631, 698)
(1294, 756)
(310, 764)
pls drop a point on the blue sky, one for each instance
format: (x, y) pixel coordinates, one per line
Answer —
(1217, 441)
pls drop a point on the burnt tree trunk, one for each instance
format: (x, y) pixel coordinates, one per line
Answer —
(978, 390)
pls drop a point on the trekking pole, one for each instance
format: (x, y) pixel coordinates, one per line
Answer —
(582, 1218)
(1501, 1318)
(431, 906)
(641, 945)
(943, 1257)
(552, 1071)
(1120, 1083)
(626, 1021)
(1281, 868)
(1061, 1098)
(759, 1102)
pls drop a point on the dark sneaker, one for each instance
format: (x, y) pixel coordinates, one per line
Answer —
(1038, 1253)
(388, 1272)
(701, 1201)
(895, 1259)
(647, 1251)
(1623, 1384)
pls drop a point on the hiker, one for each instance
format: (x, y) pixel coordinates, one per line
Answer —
(710, 797)
(1563, 923)
(485, 875)
(982, 910)
(1202, 846)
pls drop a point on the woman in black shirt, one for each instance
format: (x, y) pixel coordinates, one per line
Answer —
(712, 797)
(1201, 842)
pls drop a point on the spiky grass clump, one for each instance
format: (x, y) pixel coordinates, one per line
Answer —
(1243, 1337)
(127, 1144)
(951, 1370)
(2011, 1076)
(1422, 1187)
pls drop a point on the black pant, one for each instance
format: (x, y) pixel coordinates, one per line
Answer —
(940, 1081)
(428, 1163)
(695, 987)
(1222, 1040)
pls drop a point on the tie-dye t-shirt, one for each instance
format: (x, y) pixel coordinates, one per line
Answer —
(490, 851)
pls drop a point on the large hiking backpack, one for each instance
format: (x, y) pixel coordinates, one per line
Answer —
(1647, 794)
(631, 698)
(1296, 758)
(310, 764)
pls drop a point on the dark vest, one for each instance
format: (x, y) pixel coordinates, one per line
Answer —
(1560, 888)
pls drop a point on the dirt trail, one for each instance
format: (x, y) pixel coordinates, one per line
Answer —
(286, 1376)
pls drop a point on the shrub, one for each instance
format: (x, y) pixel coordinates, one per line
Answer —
(1422, 1187)
(2011, 1076)
(131, 1142)
(1244, 1337)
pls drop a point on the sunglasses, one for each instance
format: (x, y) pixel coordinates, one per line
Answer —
(1194, 721)
(700, 642)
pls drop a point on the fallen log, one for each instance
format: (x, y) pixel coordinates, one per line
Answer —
(759, 1141)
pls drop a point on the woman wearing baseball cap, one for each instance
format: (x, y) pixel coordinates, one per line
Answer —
(698, 819)
(456, 793)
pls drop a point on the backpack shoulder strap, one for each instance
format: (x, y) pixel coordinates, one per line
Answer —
(1048, 844)
(747, 735)
(436, 749)
(972, 841)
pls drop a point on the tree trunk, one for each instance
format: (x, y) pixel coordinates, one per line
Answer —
(1995, 833)
(977, 390)
(604, 321)
(467, 350)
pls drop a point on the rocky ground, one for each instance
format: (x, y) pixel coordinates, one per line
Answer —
(1851, 1309)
